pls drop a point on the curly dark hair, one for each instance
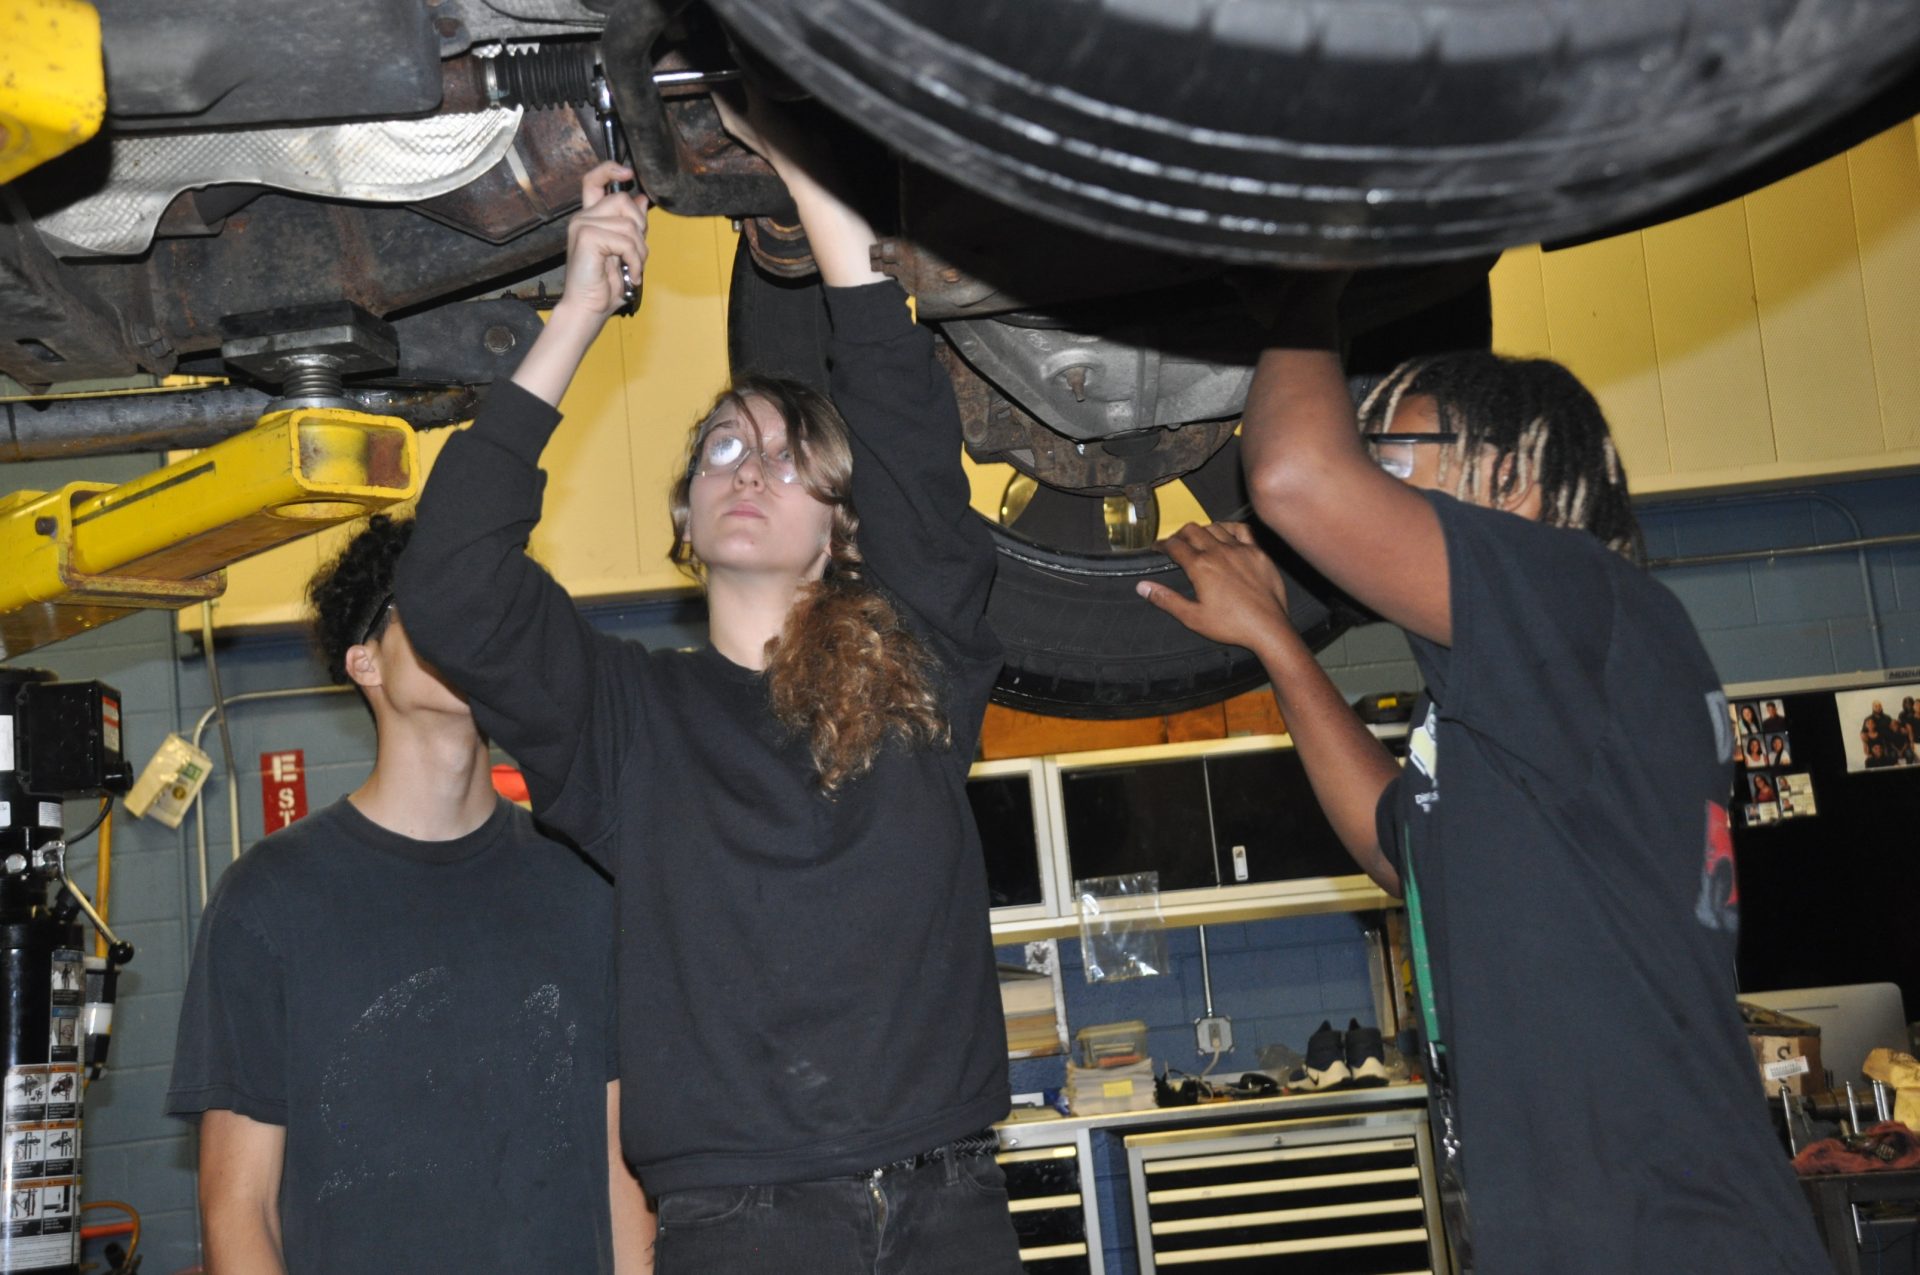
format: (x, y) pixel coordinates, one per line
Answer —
(351, 595)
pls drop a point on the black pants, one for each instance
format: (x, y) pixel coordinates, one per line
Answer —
(945, 1218)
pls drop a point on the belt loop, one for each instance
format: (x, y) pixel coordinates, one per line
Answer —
(763, 1197)
(951, 1163)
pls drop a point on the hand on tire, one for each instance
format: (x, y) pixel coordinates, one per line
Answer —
(609, 231)
(1298, 307)
(1239, 598)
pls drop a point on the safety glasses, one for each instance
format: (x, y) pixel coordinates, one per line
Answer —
(723, 452)
(1394, 452)
(373, 621)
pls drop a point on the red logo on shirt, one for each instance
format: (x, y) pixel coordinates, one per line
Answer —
(1719, 904)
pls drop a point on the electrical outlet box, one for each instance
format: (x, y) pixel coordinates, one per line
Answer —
(1213, 1035)
(170, 782)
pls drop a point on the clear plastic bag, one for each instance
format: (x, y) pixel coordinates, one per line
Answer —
(1122, 934)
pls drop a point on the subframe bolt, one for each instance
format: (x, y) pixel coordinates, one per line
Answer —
(498, 339)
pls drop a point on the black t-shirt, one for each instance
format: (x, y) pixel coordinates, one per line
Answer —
(807, 982)
(1564, 804)
(430, 1023)
(1879, 728)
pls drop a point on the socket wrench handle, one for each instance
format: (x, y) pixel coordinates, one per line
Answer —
(616, 151)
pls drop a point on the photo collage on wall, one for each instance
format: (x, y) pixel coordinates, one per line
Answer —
(1880, 727)
(1767, 782)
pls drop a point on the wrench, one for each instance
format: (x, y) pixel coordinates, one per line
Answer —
(610, 130)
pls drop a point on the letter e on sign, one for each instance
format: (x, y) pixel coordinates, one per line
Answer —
(283, 787)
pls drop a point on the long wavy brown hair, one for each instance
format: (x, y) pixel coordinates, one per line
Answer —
(844, 672)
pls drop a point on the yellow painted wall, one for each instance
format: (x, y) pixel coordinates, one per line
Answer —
(1768, 340)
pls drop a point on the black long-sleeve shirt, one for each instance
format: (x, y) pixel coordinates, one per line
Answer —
(806, 984)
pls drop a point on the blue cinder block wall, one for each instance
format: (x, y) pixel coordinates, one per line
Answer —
(1760, 620)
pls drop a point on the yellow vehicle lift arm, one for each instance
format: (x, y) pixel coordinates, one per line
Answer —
(53, 88)
(89, 553)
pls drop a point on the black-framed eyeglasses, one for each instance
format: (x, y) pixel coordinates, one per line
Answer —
(1394, 452)
(373, 621)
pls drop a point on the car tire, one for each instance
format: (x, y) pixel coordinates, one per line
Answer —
(1081, 642)
(1360, 132)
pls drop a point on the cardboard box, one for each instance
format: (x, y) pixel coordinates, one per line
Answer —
(1097, 1091)
(1033, 1026)
(1786, 1050)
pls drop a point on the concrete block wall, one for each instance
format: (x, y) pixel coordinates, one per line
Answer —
(1370, 659)
(1759, 620)
(1837, 612)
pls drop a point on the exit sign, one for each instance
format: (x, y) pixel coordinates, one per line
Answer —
(283, 787)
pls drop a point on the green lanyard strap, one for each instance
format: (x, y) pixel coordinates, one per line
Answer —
(1422, 963)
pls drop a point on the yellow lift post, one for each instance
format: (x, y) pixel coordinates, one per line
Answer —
(91, 553)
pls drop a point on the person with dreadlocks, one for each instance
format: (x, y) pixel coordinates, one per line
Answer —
(811, 1037)
(1568, 876)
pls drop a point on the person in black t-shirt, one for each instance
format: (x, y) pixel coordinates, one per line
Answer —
(1569, 878)
(808, 997)
(397, 1035)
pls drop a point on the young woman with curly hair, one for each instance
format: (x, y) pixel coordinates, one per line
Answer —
(811, 1040)
(845, 671)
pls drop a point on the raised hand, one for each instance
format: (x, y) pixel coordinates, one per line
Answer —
(839, 234)
(760, 126)
(1295, 307)
(609, 230)
(1239, 597)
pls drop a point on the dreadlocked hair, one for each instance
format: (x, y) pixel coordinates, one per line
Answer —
(845, 674)
(1541, 425)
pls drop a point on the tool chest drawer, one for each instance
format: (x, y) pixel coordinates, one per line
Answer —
(1344, 1195)
(1050, 1203)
